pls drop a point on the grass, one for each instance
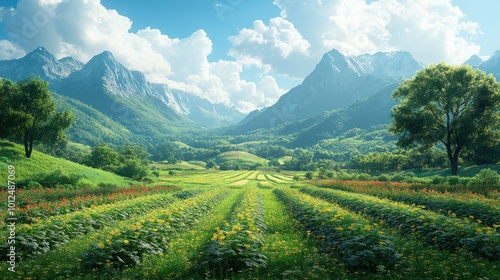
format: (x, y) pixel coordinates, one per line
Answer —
(243, 159)
(182, 165)
(13, 154)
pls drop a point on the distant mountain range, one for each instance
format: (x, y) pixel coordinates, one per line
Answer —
(343, 92)
(115, 104)
(338, 81)
(109, 90)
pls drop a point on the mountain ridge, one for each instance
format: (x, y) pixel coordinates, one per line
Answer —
(338, 81)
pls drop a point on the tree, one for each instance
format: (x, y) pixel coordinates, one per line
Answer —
(28, 112)
(456, 106)
(134, 151)
(104, 157)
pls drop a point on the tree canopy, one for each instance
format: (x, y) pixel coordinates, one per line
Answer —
(457, 106)
(28, 112)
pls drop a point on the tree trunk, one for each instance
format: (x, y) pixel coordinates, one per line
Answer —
(28, 145)
(454, 166)
(453, 158)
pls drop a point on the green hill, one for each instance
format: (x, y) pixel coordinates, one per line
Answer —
(243, 159)
(13, 154)
(92, 126)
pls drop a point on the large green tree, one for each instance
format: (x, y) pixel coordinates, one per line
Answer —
(456, 106)
(28, 112)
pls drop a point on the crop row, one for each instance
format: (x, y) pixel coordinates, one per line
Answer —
(41, 237)
(126, 245)
(359, 244)
(236, 244)
(34, 209)
(432, 228)
(43, 194)
(474, 207)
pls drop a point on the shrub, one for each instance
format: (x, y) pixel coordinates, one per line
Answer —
(453, 180)
(156, 173)
(52, 179)
(403, 176)
(363, 177)
(150, 179)
(309, 175)
(383, 178)
(436, 180)
(486, 177)
(133, 168)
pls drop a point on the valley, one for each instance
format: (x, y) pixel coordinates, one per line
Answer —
(144, 181)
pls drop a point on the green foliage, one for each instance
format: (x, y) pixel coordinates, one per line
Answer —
(309, 175)
(453, 180)
(229, 165)
(130, 160)
(359, 246)
(28, 112)
(166, 150)
(436, 180)
(403, 176)
(447, 233)
(302, 159)
(211, 164)
(133, 168)
(486, 177)
(236, 160)
(453, 105)
(103, 157)
(383, 178)
(52, 179)
(236, 244)
(41, 163)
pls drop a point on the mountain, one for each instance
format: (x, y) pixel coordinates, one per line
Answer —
(39, 63)
(115, 104)
(124, 96)
(492, 65)
(363, 114)
(338, 81)
(92, 126)
(198, 109)
(474, 61)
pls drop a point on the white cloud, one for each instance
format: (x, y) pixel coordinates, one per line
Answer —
(9, 51)
(432, 30)
(277, 44)
(84, 28)
(290, 45)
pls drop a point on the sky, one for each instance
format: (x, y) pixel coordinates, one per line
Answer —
(246, 53)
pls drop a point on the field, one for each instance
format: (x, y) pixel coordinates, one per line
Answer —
(209, 224)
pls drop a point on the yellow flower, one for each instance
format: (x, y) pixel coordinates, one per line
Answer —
(125, 241)
(101, 245)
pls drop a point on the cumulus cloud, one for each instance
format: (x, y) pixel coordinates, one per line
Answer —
(9, 50)
(277, 44)
(84, 28)
(289, 45)
(432, 30)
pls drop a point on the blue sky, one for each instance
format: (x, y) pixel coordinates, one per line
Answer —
(246, 53)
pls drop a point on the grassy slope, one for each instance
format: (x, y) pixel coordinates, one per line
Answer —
(13, 154)
(244, 159)
(183, 165)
